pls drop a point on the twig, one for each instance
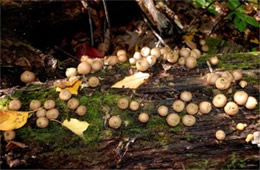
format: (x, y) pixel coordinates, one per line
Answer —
(65, 52)
(85, 5)
(106, 13)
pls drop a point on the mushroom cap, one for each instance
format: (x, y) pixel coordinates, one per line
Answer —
(84, 68)
(9, 135)
(96, 65)
(121, 52)
(156, 52)
(142, 65)
(240, 97)
(181, 61)
(212, 78)
(27, 77)
(115, 122)
(219, 100)
(173, 119)
(15, 104)
(42, 122)
(93, 81)
(237, 74)
(205, 48)
(184, 52)
(122, 58)
(227, 75)
(145, 51)
(35, 104)
(190, 62)
(162, 110)
(214, 60)
(164, 50)
(123, 103)
(186, 96)
(251, 103)
(52, 114)
(137, 55)
(220, 135)
(172, 56)
(143, 117)
(81, 110)
(202, 42)
(132, 61)
(243, 83)
(41, 113)
(73, 103)
(178, 106)
(112, 60)
(188, 120)
(222, 83)
(192, 108)
(205, 107)
(65, 94)
(241, 126)
(151, 60)
(134, 105)
(197, 51)
(49, 104)
(231, 108)
(70, 72)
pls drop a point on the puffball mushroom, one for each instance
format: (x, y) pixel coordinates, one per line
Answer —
(202, 42)
(173, 119)
(145, 51)
(220, 135)
(231, 108)
(212, 78)
(251, 103)
(27, 77)
(241, 126)
(122, 58)
(164, 50)
(181, 61)
(192, 108)
(172, 57)
(112, 60)
(205, 48)
(188, 120)
(142, 65)
(9, 135)
(15, 104)
(73, 103)
(190, 62)
(151, 60)
(137, 55)
(186, 96)
(237, 74)
(227, 75)
(96, 65)
(42, 122)
(178, 106)
(35, 104)
(49, 104)
(240, 97)
(197, 52)
(41, 113)
(219, 100)
(184, 52)
(162, 110)
(70, 72)
(65, 94)
(156, 52)
(121, 52)
(143, 117)
(93, 81)
(52, 114)
(123, 103)
(213, 60)
(115, 122)
(222, 83)
(134, 105)
(132, 61)
(193, 54)
(243, 83)
(81, 110)
(205, 107)
(84, 68)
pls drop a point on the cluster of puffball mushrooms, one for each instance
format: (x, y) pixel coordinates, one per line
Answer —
(143, 60)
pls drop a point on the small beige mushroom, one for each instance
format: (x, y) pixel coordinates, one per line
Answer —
(115, 122)
(178, 106)
(52, 114)
(188, 120)
(145, 51)
(241, 126)
(81, 110)
(123, 103)
(162, 110)
(143, 117)
(243, 83)
(251, 103)
(65, 94)
(35, 104)
(186, 96)
(222, 83)
(231, 108)
(219, 100)
(156, 52)
(27, 77)
(42, 122)
(93, 81)
(240, 97)
(9, 135)
(49, 104)
(205, 107)
(173, 119)
(134, 105)
(237, 74)
(220, 135)
(15, 104)
(192, 108)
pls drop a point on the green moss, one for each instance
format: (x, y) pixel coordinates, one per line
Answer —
(251, 80)
(4, 103)
(235, 163)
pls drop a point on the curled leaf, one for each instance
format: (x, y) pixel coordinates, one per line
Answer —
(76, 126)
(73, 89)
(10, 120)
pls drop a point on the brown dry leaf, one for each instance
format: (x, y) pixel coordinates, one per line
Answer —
(132, 82)
(66, 83)
(10, 120)
(74, 89)
(13, 145)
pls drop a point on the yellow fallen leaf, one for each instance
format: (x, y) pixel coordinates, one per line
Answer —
(188, 37)
(10, 120)
(255, 41)
(76, 126)
(74, 89)
(132, 82)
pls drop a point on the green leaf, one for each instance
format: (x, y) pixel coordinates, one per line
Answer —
(212, 9)
(252, 21)
(240, 23)
(232, 4)
(200, 3)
